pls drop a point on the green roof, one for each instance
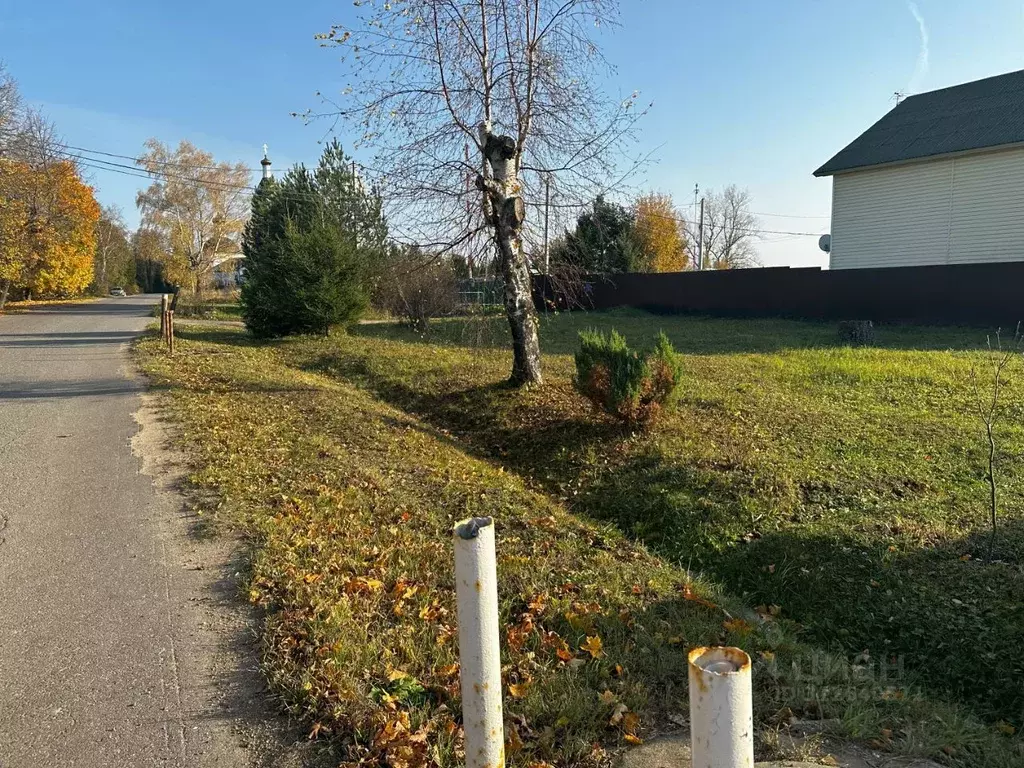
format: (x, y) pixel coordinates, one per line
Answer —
(978, 115)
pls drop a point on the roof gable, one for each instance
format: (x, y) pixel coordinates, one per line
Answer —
(978, 115)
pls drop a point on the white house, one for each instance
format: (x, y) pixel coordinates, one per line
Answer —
(938, 180)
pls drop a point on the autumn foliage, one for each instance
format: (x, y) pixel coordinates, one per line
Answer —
(659, 233)
(48, 217)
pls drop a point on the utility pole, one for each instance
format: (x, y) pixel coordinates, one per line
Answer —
(355, 225)
(547, 211)
(700, 237)
(469, 204)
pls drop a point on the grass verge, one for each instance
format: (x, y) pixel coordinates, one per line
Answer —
(19, 307)
(344, 463)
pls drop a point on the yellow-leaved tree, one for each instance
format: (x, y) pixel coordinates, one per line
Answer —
(198, 205)
(63, 232)
(13, 229)
(660, 234)
(48, 217)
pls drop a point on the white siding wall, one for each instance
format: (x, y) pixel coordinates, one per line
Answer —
(951, 211)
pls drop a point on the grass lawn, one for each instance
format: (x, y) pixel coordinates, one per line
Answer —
(832, 499)
(214, 308)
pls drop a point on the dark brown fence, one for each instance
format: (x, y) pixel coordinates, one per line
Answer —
(984, 294)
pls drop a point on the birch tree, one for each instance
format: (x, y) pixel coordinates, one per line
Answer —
(197, 204)
(10, 108)
(470, 105)
(112, 248)
(731, 231)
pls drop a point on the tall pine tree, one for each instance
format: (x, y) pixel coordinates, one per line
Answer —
(310, 245)
(604, 241)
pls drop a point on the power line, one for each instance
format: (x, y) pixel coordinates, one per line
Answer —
(136, 171)
(789, 216)
(745, 229)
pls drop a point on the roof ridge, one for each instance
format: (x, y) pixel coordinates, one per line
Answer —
(976, 115)
(962, 85)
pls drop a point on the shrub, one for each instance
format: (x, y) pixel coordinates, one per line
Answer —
(631, 385)
(416, 288)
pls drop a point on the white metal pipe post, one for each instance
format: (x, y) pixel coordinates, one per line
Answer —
(721, 708)
(476, 592)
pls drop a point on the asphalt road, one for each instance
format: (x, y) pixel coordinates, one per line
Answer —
(105, 657)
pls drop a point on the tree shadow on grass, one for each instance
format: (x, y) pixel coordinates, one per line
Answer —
(484, 419)
(951, 618)
(592, 463)
(955, 623)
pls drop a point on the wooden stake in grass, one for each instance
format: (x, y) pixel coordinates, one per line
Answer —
(988, 411)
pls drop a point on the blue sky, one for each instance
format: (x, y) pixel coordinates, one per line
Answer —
(747, 92)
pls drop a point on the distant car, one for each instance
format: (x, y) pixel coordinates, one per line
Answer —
(117, 292)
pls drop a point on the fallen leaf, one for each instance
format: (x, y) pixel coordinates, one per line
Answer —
(538, 603)
(515, 744)
(359, 585)
(631, 739)
(518, 690)
(630, 722)
(617, 714)
(593, 646)
(739, 626)
(1005, 727)
(606, 697)
(689, 594)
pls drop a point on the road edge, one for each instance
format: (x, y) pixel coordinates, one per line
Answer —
(231, 720)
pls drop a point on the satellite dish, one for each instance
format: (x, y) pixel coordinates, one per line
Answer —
(825, 243)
